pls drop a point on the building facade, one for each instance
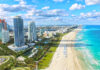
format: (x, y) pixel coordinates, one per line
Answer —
(0, 31)
(4, 33)
(32, 35)
(18, 31)
(5, 36)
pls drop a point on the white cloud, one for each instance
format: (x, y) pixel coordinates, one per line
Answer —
(79, 0)
(7, 10)
(68, 1)
(47, 13)
(21, 2)
(82, 14)
(15, 8)
(94, 10)
(58, 0)
(73, 15)
(89, 14)
(57, 19)
(76, 6)
(22, 6)
(46, 7)
(93, 15)
(88, 18)
(92, 2)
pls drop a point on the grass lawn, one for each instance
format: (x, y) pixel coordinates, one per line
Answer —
(5, 57)
(10, 61)
(47, 58)
(45, 61)
(21, 68)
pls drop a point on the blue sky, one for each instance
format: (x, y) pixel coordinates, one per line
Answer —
(52, 12)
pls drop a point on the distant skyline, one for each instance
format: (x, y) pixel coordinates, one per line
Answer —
(52, 12)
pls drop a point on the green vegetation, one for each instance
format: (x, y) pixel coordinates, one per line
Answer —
(21, 68)
(4, 50)
(8, 63)
(43, 63)
(44, 55)
(47, 58)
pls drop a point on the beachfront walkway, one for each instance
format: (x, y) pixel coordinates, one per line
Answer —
(65, 57)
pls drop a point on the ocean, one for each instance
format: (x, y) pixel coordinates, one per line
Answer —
(88, 43)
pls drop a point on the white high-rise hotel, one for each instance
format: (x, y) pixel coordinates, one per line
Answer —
(32, 36)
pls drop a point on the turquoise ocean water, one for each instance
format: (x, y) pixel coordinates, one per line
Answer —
(88, 42)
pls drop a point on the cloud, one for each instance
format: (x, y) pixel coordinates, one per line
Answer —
(79, 0)
(47, 13)
(68, 1)
(88, 18)
(57, 19)
(6, 10)
(21, 2)
(15, 8)
(40, 15)
(55, 13)
(90, 15)
(46, 7)
(58, 0)
(76, 6)
(22, 6)
(92, 2)
(73, 15)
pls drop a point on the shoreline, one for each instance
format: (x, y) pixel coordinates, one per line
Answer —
(66, 56)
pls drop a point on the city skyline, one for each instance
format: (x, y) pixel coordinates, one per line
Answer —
(52, 12)
(49, 34)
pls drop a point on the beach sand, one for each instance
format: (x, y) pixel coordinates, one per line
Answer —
(66, 57)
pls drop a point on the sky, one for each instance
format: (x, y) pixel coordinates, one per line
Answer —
(52, 12)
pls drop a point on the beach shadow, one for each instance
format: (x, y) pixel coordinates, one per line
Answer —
(82, 45)
(67, 43)
(69, 40)
(72, 40)
(75, 45)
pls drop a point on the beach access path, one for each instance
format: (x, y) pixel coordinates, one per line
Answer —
(65, 57)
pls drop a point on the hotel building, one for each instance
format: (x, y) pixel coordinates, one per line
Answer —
(32, 35)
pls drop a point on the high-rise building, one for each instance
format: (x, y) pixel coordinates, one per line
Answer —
(41, 32)
(32, 35)
(0, 29)
(5, 36)
(4, 33)
(18, 31)
(19, 43)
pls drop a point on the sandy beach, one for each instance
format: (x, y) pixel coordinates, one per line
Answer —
(66, 57)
